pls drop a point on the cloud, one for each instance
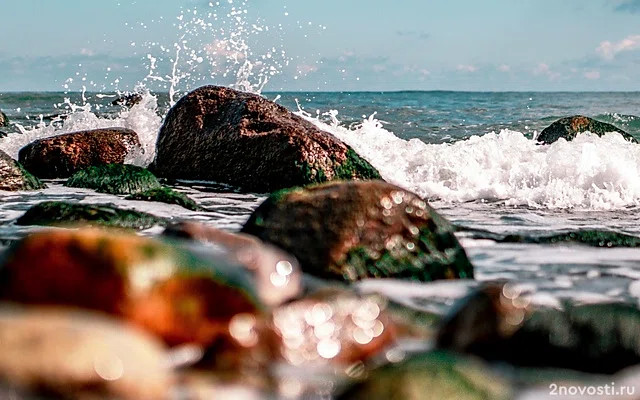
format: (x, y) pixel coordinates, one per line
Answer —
(504, 68)
(415, 34)
(466, 68)
(629, 6)
(609, 50)
(593, 74)
(543, 69)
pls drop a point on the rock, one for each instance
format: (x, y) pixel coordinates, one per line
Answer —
(178, 295)
(61, 156)
(276, 275)
(354, 230)
(80, 355)
(114, 179)
(497, 323)
(4, 121)
(431, 376)
(59, 213)
(333, 326)
(569, 127)
(166, 195)
(127, 100)
(219, 134)
(14, 177)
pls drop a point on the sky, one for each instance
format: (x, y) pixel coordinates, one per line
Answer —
(330, 45)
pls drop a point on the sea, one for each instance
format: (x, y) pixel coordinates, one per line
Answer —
(472, 155)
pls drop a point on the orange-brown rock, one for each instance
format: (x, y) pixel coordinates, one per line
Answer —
(333, 326)
(61, 156)
(276, 274)
(353, 230)
(79, 355)
(167, 290)
(219, 134)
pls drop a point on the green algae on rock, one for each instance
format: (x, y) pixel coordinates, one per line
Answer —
(431, 376)
(58, 213)
(569, 127)
(165, 195)
(357, 229)
(14, 177)
(114, 179)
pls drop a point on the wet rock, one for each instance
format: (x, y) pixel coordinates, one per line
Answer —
(61, 156)
(171, 292)
(166, 195)
(4, 121)
(127, 100)
(589, 237)
(497, 323)
(354, 230)
(435, 375)
(333, 326)
(14, 177)
(219, 134)
(569, 127)
(59, 213)
(59, 353)
(114, 179)
(276, 275)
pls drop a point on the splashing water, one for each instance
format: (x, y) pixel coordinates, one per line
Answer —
(590, 172)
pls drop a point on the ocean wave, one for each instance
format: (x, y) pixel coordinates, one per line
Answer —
(590, 172)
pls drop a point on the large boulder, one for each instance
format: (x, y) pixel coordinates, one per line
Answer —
(61, 156)
(569, 127)
(223, 135)
(354, 230)
(14, 177)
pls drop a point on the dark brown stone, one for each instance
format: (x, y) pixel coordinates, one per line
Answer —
(4, 121)
(61, 156)
(14, 177)
(223, 135)
(354, 230)
(569, 127)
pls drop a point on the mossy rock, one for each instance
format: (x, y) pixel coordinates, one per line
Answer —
(114, 179)
(431, 376)
(352, 230)
(58, 213)
(498, 324)
(14, 177)
(569, 127)
(166, 195)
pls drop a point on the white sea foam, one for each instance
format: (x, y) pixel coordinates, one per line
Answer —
(143, 118)
(589, 172)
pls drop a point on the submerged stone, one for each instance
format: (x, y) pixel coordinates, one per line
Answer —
(59, 353)
(354, 230)
(114, 179)
(165, 195)
(498, 324)
(14, 177)
(431, 376)
(219, 134)
(61, 156)
(58, 213)
(167, 290)
(127, 100)
(569, 127)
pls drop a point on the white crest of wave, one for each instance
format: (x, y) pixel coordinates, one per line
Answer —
(142, 118)
(589, 172)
